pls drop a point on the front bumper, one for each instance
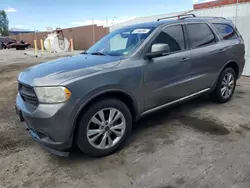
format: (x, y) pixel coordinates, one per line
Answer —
(50, 146)
(48, 124)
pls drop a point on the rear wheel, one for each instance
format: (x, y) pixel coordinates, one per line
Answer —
(226, 85)
(104, 127)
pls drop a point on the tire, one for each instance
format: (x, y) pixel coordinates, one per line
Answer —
(217, 93)
(86, 125)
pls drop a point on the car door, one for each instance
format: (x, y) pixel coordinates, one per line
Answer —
(208, 54)
(166, 77)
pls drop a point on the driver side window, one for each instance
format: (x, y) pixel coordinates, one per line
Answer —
(173, 36)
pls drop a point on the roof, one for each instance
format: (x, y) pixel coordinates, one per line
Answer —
(144, 19)
(147, 24)
(170, 21)
(19, 29)
(209, 19)
(15, 31)
(5, 39)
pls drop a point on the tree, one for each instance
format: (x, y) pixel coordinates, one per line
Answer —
(4, 23)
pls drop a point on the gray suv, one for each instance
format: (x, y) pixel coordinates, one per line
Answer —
(92, 99)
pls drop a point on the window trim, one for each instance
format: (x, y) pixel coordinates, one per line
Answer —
(188, 35)
(222, 38)
(160, 30)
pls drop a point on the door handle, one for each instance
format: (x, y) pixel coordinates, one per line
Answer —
(184, 59)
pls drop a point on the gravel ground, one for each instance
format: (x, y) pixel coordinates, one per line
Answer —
(199, 144)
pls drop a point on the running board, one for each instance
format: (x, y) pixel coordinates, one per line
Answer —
(176, 101)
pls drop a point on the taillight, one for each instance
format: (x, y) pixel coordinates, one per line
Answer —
(238, 33)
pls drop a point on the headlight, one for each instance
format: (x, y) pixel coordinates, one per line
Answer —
(52, 94)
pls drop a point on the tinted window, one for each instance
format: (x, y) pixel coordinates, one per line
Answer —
(226, 31)
(173, 36)
(200, 35)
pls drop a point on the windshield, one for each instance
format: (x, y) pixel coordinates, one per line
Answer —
(120, 42)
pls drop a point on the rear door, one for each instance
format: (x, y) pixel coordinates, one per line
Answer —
(207, 53)
(233, 42)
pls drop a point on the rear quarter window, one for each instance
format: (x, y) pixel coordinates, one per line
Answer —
(227, 32)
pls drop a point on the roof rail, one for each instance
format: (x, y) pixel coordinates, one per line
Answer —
(205, 17)
(181, 16)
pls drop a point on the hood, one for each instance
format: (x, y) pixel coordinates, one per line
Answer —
(61, 70)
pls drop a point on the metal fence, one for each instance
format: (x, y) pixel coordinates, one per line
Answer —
(83, 37)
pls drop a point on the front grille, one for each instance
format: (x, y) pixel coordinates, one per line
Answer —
(27, 93)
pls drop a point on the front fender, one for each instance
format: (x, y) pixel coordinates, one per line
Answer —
(84, 101)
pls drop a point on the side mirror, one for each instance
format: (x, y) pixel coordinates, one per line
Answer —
(158, 50)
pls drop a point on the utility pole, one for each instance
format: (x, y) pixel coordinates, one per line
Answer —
(106, 21)
(236, 13)
(107, 25)
(93, 30)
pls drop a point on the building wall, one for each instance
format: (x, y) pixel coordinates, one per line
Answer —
(83, 37)
(240, 15)
(218, 3)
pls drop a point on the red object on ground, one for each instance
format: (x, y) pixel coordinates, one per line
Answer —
(20, 45)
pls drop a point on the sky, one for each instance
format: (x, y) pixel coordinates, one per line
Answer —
(40, 14)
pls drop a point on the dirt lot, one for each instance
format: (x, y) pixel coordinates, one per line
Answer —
(199, 144)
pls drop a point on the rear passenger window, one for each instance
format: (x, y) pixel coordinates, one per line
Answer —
(200, 35)
(226, 31)
(173, 36)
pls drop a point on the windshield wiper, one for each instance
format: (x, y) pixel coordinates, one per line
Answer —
(98, 53)
(84, 52)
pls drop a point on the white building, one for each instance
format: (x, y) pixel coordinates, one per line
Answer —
(236, 10)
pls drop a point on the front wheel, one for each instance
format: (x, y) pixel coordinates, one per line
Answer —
(226, 85)
(104, 127)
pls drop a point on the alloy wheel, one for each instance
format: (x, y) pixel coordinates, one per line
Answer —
(227, 85)
(106, 128)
